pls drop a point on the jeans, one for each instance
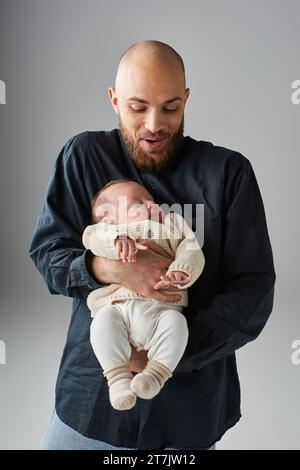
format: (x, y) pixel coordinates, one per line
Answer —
(60, 436)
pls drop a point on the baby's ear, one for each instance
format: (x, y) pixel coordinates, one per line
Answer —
(104, 212)
(100, 212)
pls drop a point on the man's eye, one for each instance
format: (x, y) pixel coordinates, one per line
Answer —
(137, 110)
(143, 109)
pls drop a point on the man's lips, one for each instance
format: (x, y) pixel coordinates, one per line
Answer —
(153, 143)
(153, 138)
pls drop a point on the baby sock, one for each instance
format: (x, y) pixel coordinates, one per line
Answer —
(120, 395)
(150, 381)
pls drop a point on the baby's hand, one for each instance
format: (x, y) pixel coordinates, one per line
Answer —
(172, 278)
(127, 248)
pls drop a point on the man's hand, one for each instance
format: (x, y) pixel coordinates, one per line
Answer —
(138, 360)
(148, 268)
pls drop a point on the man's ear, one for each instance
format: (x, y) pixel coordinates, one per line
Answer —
(113, 99)
(186, 94)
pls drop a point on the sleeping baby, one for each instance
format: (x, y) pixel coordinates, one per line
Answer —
(125, 217)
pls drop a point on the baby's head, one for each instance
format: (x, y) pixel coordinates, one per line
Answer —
(124, 201)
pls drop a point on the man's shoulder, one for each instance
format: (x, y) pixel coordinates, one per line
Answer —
(216, 161)
(217, 155)
(85, 138)
(85, 145)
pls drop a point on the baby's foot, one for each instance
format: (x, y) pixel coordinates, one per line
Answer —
(120, 394)
(148, 383)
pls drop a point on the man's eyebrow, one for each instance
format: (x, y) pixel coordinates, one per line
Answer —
(139, 100)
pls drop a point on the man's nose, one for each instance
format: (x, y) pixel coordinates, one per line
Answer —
(154, 122)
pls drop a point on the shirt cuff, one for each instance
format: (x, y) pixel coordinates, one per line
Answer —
(86, 278)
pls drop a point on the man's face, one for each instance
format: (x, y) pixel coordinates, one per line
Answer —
(150, 104)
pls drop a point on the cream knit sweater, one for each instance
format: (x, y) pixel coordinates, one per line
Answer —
(173, 235)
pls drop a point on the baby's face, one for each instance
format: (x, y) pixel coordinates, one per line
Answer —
(123, 203)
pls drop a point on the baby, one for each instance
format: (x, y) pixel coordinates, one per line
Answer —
(125, 214)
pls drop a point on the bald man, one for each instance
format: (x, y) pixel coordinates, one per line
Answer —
(229, 304)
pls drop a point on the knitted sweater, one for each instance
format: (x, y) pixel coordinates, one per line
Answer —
(174, 236)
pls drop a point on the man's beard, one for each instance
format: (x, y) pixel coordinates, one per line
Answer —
(144, 159)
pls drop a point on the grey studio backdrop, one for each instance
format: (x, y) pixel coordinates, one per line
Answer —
(58, 59)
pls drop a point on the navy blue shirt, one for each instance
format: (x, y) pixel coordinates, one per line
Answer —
(228, 305)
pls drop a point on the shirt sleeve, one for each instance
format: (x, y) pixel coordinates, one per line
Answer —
(56, 246)
(240, 309)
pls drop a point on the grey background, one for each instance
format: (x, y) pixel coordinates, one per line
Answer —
(58, 59)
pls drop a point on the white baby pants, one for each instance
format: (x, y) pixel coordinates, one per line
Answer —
(160, 328)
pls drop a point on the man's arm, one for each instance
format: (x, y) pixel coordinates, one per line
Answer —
(240, 310)
(56, 246)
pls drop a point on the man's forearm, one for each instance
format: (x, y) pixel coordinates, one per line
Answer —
(100, 269)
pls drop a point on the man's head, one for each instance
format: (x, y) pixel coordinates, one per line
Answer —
(149, 98)
(124, 201)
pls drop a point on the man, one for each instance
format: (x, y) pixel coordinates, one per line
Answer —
(228, 305)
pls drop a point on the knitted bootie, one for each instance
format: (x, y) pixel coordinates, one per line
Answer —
(120, 395)
(150, 381)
